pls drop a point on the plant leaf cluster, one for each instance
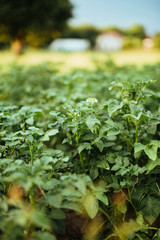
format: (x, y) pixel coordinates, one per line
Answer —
(83, 142)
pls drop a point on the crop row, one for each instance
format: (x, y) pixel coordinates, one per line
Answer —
(80, 153)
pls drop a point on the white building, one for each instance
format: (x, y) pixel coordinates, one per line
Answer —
(70, 44)
(109, 41)
(147, 43)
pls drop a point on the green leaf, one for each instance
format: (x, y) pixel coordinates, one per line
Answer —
(39, 219)
(102, 197)
(55, 200)
(138, 148)
(93, 172)
(103, 164)
(152, 128)
(72, 205)
(132, 117)
(58, 214)
(48, 134)
(140, 118)
(65, 159)
(122, 208)
(43, 236)
(30, 138)
(90, 203)
(36, 130)
(103, 130)
(150, 206)
(152, 164)
(30, 121)
(100, 145)
(116, 167)
(83, 146)
(113, 106)
(151, 151)
(140, 219)
(91, 121)
(112, 132)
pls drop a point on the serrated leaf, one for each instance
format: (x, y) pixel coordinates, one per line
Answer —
(90, 203)
(91, 121)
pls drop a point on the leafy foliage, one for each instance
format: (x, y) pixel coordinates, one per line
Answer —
(34, 19)
(86, 142)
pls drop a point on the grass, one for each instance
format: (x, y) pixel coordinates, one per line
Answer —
(66, 60)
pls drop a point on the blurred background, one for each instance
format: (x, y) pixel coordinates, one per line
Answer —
(74, 32)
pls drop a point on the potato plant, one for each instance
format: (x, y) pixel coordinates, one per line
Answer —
(83, 146)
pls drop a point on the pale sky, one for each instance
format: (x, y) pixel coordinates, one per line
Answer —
(122, 13)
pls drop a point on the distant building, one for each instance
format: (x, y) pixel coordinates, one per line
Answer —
(109, 41)
(69, 44)
(147, 43)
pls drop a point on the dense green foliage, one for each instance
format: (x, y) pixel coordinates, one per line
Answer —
(156, 40)
(132, 36)
(83, 141)
(41, 37)
(88, 32)
(19, 18)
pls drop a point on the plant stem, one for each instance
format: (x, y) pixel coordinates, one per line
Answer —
(136, 140)
(112, 235)
(106, 214)
(139, 237)
(31, 154)
(51, 173)
(31, 198)
(81, 161)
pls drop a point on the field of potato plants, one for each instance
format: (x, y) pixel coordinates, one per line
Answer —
(80, 153)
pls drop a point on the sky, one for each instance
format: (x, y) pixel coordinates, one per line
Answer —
(121, 13)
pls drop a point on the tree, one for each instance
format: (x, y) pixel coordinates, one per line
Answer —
(137, 31)
(156, 40)
(88, 32)
(18, 17)
(114, 29)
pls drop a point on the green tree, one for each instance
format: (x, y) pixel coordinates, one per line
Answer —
(137, 31)
(88, 32)
(18, 17)
(156, 40)
(114, 29)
